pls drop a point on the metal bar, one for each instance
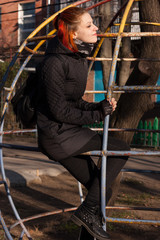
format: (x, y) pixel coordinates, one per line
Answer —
(125, 220)
(34, 52)
(97, 4)
(122, 91)
(1, 155)
(21, 236)
(7, 233)
(12, 87)
(9, 195)
(126, 88)
(96, 129)
(139, 89)
(132, 153)
(125, 130)
(45, 37)
(18, 131)
(43, 215)
(131, 34)
(80, 192)
(123, 153)
(106, 122)
(139, 23)
(103, 168)
(4, 79)
(124, 59)
(107, 29)
(93, 153)
(140, 171)
(19, 147)
(2, 182)
(132, 208)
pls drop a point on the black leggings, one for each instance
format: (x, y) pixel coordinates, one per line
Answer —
(86, 172)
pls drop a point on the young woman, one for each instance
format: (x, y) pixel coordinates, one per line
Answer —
(62, 112)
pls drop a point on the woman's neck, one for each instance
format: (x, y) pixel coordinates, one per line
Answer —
(83, 47)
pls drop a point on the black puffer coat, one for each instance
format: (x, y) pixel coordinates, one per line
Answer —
(61, 110)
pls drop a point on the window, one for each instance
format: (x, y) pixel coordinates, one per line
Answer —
(0, 19)
(63, 4)
(26, 20)
(135, 18)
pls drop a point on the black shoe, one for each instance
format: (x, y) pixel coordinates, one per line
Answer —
(89, 217)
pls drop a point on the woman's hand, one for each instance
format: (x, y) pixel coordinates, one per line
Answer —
(108, 107)
(113, 102)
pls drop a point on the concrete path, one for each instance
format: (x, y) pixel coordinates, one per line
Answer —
(23, 167)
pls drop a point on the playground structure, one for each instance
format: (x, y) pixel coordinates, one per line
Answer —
(104, 153)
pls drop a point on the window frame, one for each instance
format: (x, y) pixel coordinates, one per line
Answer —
(21, 18)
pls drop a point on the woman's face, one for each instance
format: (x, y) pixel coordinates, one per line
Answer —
(86, 31)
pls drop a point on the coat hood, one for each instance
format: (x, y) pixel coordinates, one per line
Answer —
(56, 47)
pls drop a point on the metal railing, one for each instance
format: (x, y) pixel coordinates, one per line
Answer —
(104, 153)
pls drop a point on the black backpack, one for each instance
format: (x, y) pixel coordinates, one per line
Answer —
(25, 100)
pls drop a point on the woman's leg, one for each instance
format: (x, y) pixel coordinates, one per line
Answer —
(115, 163)
(85, 171)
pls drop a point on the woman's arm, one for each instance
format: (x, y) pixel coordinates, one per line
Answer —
(54, 76)
(88, 106)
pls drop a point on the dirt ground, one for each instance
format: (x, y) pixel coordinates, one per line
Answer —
(55, 193)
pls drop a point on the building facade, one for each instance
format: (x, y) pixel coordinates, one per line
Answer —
(17, 20)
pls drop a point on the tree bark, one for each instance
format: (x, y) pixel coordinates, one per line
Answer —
(132, 106)
(124, 66)
(106, 49)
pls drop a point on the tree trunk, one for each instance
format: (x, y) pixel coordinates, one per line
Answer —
(106, 49)
(132, 106)
(124, 66)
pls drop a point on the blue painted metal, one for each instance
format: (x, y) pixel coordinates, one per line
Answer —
(116, 90)
(123, 153)
(1, 136)
(105, 133)
(135, 88)
(12, 87)
(103, 168)
(19, 147)
(140, 171)
(7, 233)
(92, 153)
(80, 192)
(4, 79)
(126, 220)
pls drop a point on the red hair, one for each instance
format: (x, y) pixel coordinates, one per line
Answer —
(66, 23)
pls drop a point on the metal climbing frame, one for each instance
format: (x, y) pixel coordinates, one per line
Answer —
(104, 153)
